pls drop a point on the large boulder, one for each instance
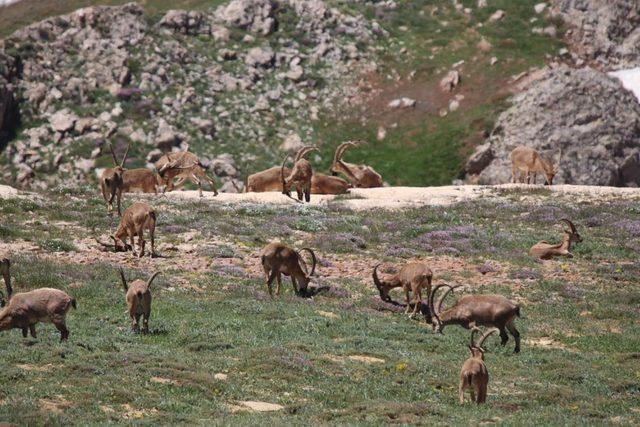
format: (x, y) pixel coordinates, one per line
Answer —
(604, 31)
(585, 113)
(253, 15)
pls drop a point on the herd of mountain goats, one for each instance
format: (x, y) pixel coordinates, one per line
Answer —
(494, 312)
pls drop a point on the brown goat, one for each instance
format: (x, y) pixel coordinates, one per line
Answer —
(111, 180)
(136, 219)
(474, 374)
(139, 301)
(360, 176)
(24, 310)
(472, 311)
(412, 277)
(183, 165)
(546, 250)
(271, 180)
(278, 259)
(526, 161)
(300, 175)
(141, 179)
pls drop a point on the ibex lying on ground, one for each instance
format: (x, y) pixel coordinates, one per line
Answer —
(26, 309)
(471, 311)
(412, 277)
(183, 165)
(271, 180)
(474, 375)
(360, 176)
(300, 175)
(545, 250)
(111, 180)
(139, 301)
(278, 259)
(141, 179)
(136, 219)
(526, 161)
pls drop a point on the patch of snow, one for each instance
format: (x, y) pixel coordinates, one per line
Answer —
(7, 2)
(630, 79)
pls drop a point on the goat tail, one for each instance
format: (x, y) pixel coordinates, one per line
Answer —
(73, 303)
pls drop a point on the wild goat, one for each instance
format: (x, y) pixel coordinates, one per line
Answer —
(545, 250)
(271, 180)
(26, 309)
(136, 219)
(111, 180)
(138, 301)
(360, 176)
(412, 277)
(527, 161)
(471, 311)
(474, 374)
(141, 179)
(300, 175)
(278, 259)
(183, 165)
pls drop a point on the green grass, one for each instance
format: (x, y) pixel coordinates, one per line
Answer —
(285, 351)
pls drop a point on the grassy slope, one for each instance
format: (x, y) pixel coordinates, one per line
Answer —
(286, 351)
(421, 148)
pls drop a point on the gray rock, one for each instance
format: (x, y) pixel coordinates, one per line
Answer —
(450, 81)
(260, 57)
(63, 120)
(254, 15)
(585, 113)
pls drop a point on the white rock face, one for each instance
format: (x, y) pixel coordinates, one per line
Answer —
(540, 7)
(403, 102)
(630, 79)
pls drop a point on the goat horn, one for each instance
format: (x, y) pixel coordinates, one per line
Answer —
(346, 146)
(113, 155)
(485, 336)
(124, 158)
(124, 281)
(446, 293)
(153, 276)
(431, 298)
(473, 334)
(570, 224)
(284, 190)
(313, 258)
(102, 243)
(304, 151)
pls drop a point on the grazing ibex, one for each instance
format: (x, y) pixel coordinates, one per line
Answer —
(111, 180)
(360, 176)
(526, 161)
(471, 311)
(545, 250)
(278, 259)
(183, 165)
(135, 220)
(271, 180)
(26, 309)
(138, 301)
(474, 374)
(141, 179)
(412, 277)
(300, 175)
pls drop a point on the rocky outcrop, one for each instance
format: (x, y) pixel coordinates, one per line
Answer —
(603, 31)
(585, 113)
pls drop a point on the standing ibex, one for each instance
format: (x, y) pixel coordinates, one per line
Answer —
(183, 165)
(111, 180)
(26, 309)
(412, 277)
(474, 374)
(300, 175)
(278, 259)
(360, 176)
(477, 310)
(271, 180)
(141, 179)
(527, 161)
(545, 250)
(135, 220)
(138, 301)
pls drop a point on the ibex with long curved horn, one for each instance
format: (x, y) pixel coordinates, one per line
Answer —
(111, 180)
(271, 180)
(546, 250)
(360, 176)
(24, 310)
(474, 374)
(278, 259)
(526, 162)
(300, 175)
(138, 301)
(137, 218)
(477, 310)
(412, 277)
(183, 165)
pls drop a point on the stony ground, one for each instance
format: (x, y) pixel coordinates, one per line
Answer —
(221, 349)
